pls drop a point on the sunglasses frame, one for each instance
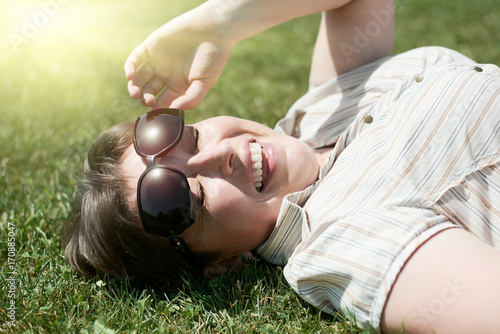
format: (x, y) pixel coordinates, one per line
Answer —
(160, 229)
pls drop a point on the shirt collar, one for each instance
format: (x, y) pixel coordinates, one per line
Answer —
(292, 223)
(288, 231)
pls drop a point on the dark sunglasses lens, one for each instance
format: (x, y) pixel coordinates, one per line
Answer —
(156, 131)
(165, 202)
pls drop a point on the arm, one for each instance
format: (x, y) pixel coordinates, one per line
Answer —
(351, 36)
(188, 54)
(449, 285)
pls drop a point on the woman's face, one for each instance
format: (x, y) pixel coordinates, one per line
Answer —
(238, 214)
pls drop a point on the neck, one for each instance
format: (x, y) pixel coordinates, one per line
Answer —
(322, 153)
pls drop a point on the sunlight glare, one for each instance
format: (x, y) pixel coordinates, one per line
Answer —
(50, 23)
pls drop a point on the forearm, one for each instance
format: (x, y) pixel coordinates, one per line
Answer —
(187, 54)
(237, 20)
(352, 36)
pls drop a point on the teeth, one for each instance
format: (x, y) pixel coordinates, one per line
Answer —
(257, 172)
(256, 152)
(257, 165)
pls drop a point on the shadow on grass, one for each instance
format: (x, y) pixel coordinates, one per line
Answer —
(256, 299)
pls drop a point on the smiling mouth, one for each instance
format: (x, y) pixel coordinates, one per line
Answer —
(256, 152)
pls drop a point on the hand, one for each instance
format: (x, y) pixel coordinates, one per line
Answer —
(185, 56)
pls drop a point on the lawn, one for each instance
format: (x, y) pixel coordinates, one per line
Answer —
(62, 83)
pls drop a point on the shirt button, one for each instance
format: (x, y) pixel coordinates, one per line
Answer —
(368, 119)
(478, 69)
(419, 77)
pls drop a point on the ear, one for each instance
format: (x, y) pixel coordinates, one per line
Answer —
(222, 266)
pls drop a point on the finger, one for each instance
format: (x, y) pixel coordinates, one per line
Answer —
(144, 74)
(149, 100)
(151, 89)
(193, 96)
(134, 60)
(166, 97)
(133, 90)
(129, 68)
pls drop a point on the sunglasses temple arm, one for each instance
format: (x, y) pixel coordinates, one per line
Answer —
(180, 246)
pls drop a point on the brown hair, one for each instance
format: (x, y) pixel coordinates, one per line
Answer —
(102, 234)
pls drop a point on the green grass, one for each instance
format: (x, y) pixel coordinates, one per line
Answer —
(65, 84)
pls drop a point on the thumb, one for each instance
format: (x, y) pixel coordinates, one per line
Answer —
(164, 100)
(195, 93)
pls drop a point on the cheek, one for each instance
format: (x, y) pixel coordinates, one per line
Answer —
(239, 221)
(228, 205)
(224, 198)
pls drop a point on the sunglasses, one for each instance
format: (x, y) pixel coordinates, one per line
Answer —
(163, 194)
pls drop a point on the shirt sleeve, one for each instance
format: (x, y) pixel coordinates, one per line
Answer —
(325, 111)
(351, 264)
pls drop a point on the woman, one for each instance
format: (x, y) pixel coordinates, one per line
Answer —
(398, 163)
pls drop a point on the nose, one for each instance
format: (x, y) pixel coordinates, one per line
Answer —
(215, 158)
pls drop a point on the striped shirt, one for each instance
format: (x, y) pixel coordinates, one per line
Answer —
(418, 152)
